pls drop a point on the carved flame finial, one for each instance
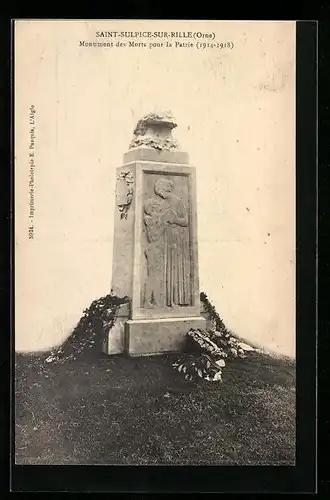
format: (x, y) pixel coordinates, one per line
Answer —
(154, 130)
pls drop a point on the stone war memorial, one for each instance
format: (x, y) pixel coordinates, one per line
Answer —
(155, 255)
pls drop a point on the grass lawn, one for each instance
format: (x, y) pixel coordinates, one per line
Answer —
(118, 410)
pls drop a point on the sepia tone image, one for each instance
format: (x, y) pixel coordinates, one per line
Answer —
(154, 242)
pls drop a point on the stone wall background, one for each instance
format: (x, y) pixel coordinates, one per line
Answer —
(236, 117)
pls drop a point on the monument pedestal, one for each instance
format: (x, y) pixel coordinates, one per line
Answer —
(155, 336)
(155, 258)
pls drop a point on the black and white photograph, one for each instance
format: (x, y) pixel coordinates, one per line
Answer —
(155, 242)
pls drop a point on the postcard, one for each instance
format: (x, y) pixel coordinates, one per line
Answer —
(155, 247)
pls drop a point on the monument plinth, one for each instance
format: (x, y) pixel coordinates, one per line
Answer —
(155, 257)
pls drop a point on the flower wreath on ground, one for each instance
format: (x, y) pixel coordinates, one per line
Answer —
(207, 351)
(204, 355)
(95, 323)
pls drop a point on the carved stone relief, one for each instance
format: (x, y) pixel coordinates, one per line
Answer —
(124, 192)
(154, 130)
(168, 280)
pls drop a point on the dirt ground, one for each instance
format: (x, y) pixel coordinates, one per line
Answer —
(118, 410)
